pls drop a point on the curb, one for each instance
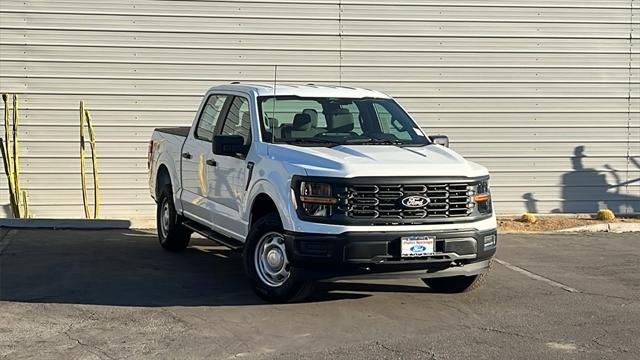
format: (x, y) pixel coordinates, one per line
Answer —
(77, 224)
(611, 227)
(527, 232)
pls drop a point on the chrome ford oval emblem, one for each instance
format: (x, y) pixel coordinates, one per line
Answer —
(415, 201)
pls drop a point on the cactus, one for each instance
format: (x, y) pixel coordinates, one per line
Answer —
(606, 215)
(528, 218)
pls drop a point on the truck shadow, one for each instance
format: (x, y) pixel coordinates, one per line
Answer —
(128, 268)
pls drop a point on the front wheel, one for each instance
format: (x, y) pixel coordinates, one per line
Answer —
(171, 234)
(265, 255)
(456, 284)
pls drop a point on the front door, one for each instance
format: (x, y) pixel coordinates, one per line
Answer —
(229, 176)
(195, 152)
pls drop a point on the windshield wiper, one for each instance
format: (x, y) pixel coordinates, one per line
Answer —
(311, 141)
(374, 141)
(361, 141)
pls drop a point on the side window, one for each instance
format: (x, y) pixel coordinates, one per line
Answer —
(389, 124)
(209, 117)
(238, 120)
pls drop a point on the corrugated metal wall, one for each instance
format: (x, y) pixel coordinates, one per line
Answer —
(545, 93)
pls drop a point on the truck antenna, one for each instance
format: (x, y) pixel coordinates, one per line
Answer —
(272, 121)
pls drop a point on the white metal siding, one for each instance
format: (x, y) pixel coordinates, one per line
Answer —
(518, 85)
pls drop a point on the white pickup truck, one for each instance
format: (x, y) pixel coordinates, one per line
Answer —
(320, 183)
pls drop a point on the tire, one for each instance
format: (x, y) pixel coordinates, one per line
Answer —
(457, 284)
(279, 282)
(171, 234)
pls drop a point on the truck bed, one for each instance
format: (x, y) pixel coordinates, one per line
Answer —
(180, 130)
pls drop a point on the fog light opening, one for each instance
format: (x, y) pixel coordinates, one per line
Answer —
(489, 241)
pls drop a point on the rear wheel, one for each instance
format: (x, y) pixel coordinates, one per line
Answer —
(171, 234)
(456, 284)
(265, 255)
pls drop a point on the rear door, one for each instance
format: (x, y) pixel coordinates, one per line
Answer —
(195, 153)
(229, 176)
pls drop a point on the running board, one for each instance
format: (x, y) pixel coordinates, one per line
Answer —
(232, 244)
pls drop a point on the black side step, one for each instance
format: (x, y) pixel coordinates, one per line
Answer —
(232, 244)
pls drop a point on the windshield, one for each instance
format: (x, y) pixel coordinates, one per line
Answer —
(336, 121)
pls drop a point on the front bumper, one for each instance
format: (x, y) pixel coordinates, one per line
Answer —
(377, 254)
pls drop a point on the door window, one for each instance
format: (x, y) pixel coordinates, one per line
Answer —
(391, 125)
(238, 120)
(209, 117)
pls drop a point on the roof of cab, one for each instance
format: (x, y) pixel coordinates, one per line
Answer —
(309, 90)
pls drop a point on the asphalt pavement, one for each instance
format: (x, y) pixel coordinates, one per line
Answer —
(114, 294)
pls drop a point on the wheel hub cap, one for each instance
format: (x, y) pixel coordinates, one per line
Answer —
(271, 260)
(275, 259)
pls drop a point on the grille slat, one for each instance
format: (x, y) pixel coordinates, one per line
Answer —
(383, 201)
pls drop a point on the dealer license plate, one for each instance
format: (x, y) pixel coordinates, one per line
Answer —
(416, 246)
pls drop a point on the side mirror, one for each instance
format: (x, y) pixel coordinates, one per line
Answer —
(440, 140)
(229, 145)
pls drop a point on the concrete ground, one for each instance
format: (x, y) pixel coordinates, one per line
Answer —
(115, 294)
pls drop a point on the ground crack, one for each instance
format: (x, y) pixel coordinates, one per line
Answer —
(596, 340)
(382, 345)
(431, 354)
(95, 350)
(609, 296)
(506, 332)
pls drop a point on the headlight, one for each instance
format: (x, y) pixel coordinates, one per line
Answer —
(316, 199)
(482, 197)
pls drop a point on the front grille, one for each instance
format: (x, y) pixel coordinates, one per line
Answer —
(384, 201)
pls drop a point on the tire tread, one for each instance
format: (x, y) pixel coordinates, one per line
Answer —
(178, 236)
(294, 290)
(458, 284)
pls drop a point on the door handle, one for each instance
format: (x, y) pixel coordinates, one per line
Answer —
(211, 162)
(186, 155)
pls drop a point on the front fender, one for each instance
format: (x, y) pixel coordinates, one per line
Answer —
(281, 196)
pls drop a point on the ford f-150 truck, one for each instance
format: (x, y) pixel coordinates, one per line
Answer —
(316, 183)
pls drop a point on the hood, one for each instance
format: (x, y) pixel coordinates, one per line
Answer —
(376, 160)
